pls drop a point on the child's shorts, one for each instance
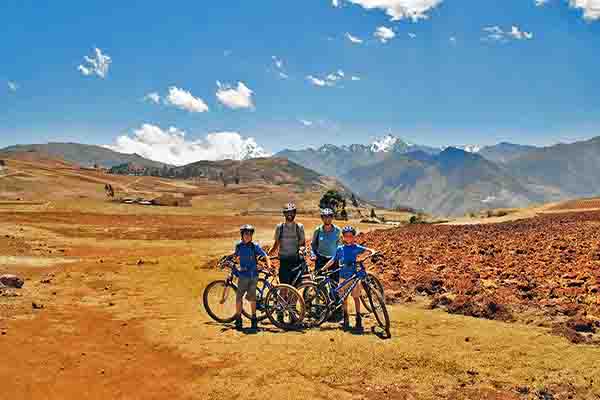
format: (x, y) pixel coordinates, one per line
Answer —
(247, 286)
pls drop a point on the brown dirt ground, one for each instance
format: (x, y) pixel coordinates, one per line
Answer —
(112, 327)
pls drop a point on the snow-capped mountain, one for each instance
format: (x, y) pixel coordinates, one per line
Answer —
(469, 148)
(250, 149)
(384, 144)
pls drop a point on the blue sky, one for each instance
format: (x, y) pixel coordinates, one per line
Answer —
(427, 89)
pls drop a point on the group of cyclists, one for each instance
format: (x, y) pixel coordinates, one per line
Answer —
(330, 246)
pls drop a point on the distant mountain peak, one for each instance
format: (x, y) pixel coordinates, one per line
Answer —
(469, 148)
(386, 144)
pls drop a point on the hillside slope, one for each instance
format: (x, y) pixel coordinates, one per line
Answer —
(83, 154)
(451, 183)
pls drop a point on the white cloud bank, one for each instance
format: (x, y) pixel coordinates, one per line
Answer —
(153, 97)
(400, 9)
(353, 39)
(235, 98)
(12, 86)
(98, 64)
(329, 80)
(497, 34)
(184, 100)
(170, 146)
(384, 34)
(591, 8)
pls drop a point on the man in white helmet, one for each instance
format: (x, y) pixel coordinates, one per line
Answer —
(290, 241)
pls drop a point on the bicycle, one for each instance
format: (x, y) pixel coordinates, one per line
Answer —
(326, 298)
(371, 280)
(276, 301)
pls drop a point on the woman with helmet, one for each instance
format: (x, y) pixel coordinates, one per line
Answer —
(348, 256)
(326, 240)
(289, 241)
(247, 252)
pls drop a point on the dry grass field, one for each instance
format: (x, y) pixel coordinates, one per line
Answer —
(120, 287)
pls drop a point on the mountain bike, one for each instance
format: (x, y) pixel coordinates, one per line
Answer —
(371, 280)
(282, 304)
(327, 297)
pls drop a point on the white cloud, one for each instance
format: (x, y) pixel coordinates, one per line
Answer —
(184, 100)
(355, 78)
(341, 73)
(335, 3)
(412, 35)
(591, 8)
(401, 9)
(170, 146)
(153, 97)
(353, 39)
(305, 122)
(540, 3)
(12, 86)
(278, 62)
(452, 39)
(384, 34)
(283, 75)
(235, 98)
(497, 34)
(98, 64)
(317, 81)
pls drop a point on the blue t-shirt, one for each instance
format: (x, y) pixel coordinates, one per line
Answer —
(346, 256)
(248, 252)
(325, 243)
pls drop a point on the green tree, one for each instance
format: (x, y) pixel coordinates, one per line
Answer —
(334, 200)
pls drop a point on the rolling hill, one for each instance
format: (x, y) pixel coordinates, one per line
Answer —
(84, 155)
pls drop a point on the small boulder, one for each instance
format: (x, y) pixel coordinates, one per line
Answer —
(11, 281)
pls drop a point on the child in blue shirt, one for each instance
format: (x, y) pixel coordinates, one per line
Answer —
(348, 256)
(247, 253)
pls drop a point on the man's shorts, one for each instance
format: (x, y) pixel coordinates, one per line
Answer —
(247, 286)
(286, 265)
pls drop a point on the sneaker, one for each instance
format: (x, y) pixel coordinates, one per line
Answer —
(346, 324)
(254, 324)
(358, 327)
(238, 323)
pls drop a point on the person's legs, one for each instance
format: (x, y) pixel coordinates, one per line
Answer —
(251, 297)
(356, 297)
(239, 298)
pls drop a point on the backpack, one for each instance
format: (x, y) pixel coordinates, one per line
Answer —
(280, 228)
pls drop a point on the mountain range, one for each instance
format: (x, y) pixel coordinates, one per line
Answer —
(439, 180)
(459, 179)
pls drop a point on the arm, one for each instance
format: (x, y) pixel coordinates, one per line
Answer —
(314, 245)
(328, 265)
(275, 246)
(363, 258)
(302, 238)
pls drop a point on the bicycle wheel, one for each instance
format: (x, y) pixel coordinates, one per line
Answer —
(261, 294)
(285, 307)
(373, 282)
(316, 304)
(379, 309)
(219, 301)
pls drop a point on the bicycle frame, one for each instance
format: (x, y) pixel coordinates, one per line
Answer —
(355, 279)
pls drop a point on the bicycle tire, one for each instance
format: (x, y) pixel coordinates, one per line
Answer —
(277, 304)
(374, 283)
(214, 311)
(262, 289)
(380, 310)
(316, 303)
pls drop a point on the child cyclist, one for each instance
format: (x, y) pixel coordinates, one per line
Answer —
(348, 256)
(246, 253)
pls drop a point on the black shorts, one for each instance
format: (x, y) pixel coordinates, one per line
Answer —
(286, 265)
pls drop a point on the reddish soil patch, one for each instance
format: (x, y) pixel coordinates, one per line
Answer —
(142, 227)
(549, 263)
(88, 355)
(579, 204)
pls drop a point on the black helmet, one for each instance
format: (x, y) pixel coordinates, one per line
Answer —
(289, 207)
(327, 212)
(246, 228)
(349, 229)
